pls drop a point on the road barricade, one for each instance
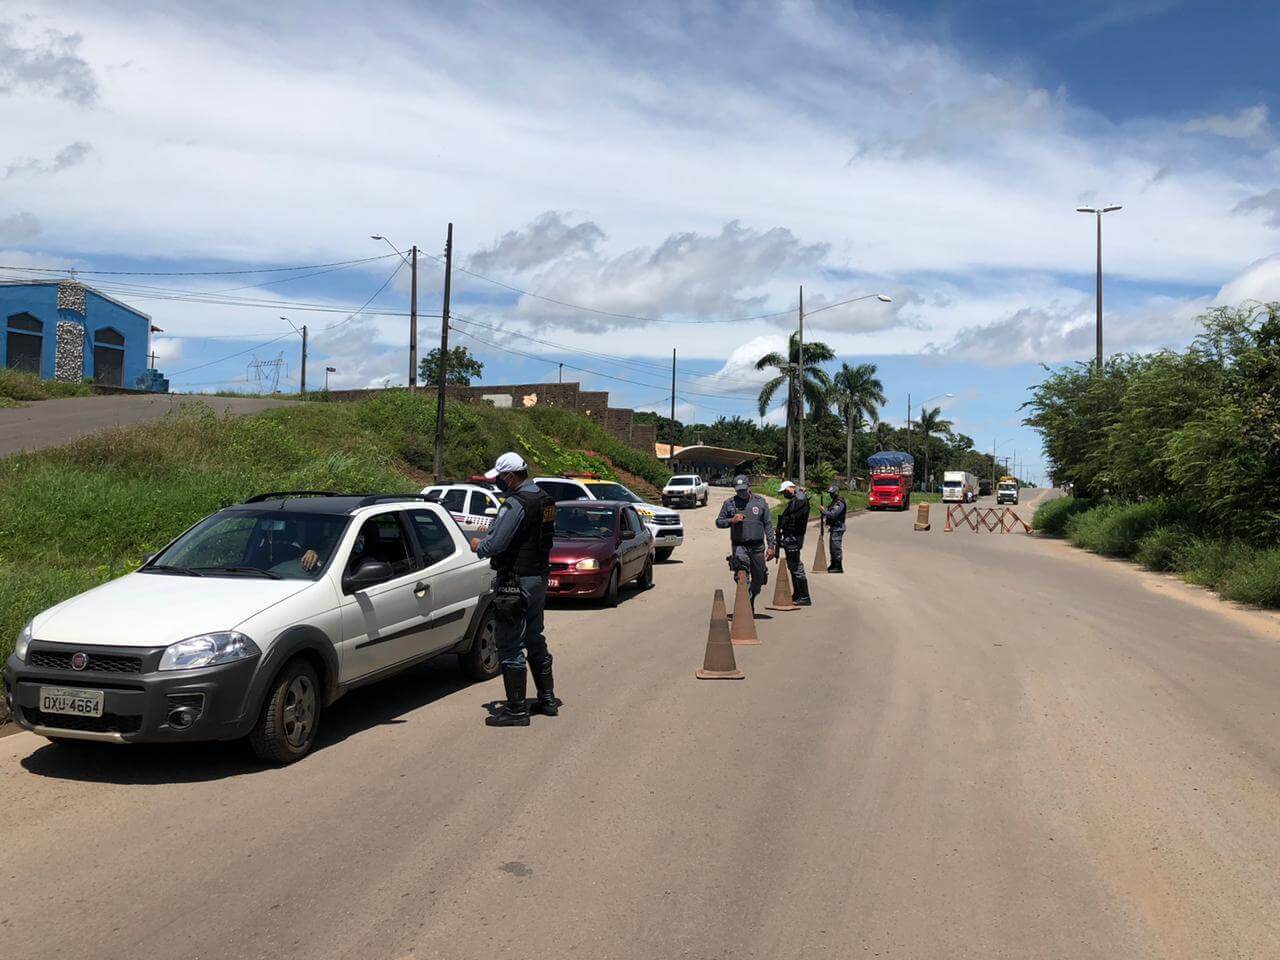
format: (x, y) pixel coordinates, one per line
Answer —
(922, 517)
(988, 519)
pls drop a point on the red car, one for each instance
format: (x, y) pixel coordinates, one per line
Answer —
(599, 546)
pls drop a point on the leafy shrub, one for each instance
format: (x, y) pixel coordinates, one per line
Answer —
(1114, 529)
(1255, 581)
(18, 385)
(1207, 561)
(1051, 516)
(1159, 549)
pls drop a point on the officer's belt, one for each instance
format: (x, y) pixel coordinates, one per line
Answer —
(750, 543)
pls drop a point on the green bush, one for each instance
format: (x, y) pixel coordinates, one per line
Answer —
(1207, 561)
(1051, 516)
(1255, 581)
(1114, 529)
(1159, 549)
(17, 385)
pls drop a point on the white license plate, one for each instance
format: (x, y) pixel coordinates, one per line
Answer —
(553, 582)
(70, 700)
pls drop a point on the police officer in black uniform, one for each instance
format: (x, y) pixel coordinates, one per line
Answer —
(750, 524)
(834, 516)
(517, 547)
(792, 526)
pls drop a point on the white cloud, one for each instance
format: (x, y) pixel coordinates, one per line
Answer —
(1259, 281)
(44, 60)
(168, 351)
(69, 156)
(1246, 124)
(18, 228)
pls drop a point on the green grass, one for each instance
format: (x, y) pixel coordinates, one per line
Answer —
(1157, 535)
(16, 385)
(75, 516)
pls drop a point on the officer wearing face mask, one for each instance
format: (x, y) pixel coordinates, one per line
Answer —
(750, 524)
(834, 515)
(791, 528)
(517, 547)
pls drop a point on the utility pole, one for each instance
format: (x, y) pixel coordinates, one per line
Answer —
(562, 373)
(444, 351)
(302, 384)
(909, 435)
(672, 451)
(800, 398)
(413, 319)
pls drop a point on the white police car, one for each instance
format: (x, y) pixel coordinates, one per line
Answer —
(253, 621)
(663, 523)
(472, 503)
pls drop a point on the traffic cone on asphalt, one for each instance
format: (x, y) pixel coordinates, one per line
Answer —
(820, 555)
(782, 592)
(718, 663)
(742, 631)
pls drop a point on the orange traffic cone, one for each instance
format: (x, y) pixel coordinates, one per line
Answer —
(742, 631)
(782, 592)
(718, 663)
(820, 555)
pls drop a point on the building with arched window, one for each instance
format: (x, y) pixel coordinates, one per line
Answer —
(63, 330)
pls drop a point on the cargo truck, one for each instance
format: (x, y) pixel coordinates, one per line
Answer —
(959, 487)
(1007, 490)
(891, 475)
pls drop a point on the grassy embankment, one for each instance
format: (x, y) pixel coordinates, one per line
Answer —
(1160, 536)
(75, 516)
(17, 388)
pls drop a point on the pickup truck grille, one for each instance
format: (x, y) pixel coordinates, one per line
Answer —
(98, 663)
(666, 519)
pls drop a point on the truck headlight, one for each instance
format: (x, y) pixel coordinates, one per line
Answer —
(589, 564)
(208, 649)
(24, 641)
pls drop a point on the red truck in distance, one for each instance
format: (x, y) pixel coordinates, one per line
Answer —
(892, 473)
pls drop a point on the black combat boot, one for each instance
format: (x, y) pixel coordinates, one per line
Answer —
(515, 712)
(546, 704)
(801, 598)
(835, 568)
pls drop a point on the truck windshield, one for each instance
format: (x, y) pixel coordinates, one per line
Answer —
(267, 543)
(886, 481)
(613, 491)
(680, 482)
(951, 483)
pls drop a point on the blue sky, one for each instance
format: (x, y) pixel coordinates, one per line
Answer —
(670, 168)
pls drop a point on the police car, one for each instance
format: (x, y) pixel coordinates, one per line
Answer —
(663, 523)
(472, 503)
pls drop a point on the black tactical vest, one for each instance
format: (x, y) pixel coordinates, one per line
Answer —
(527, 555)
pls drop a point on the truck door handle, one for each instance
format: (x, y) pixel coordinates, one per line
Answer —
(420, 589)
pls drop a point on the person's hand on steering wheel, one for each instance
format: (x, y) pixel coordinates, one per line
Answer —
(310, 560)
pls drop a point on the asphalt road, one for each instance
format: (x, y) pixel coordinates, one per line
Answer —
(972, 746)
(49, 423)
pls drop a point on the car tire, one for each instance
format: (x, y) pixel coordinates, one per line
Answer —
(611, 591)
(481, 662)
(286, 729)
(645, 580)
(663, 553)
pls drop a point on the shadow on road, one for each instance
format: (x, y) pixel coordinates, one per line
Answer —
(155, 763)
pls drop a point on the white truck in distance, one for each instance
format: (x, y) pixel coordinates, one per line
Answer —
(959, 487)
(685, 488)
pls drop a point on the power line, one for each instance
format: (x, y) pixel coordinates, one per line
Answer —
(230, 356)
(197, 273)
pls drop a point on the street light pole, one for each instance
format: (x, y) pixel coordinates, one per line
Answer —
(800, 373)
(413, 306)
(1098, 212)
(327, 371)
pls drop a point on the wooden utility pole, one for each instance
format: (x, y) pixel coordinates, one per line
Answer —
(302, 388)
(444, 354)
(413, 319)
(800, 375)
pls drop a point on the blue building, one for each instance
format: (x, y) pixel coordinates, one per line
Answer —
(63, 330)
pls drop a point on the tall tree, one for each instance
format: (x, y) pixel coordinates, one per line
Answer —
(813, 385)
(462, 369)
(859, 394)
(931, 422)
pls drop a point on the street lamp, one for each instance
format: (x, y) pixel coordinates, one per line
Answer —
(302, 384)
(926, 443)
(1098, 212)
(412, 261)
(327, 371)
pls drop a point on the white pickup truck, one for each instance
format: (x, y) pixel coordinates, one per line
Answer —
(685, 489)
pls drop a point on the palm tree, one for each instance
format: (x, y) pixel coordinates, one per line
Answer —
(884, 435)
(931, 422)
(814, 384)
(859, 395)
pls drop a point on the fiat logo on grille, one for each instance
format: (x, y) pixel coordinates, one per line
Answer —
(79, 661)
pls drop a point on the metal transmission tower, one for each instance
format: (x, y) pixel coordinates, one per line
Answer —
(265, 374)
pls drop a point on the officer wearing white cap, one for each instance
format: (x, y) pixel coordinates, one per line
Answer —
(746, 516)
(834, 515)
(792, 526)
(517, 547)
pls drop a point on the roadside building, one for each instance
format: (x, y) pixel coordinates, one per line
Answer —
(709, 462)
(63, 330)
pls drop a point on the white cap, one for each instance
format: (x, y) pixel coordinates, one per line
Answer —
(507, 463)
(786, 485)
